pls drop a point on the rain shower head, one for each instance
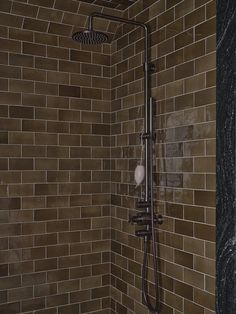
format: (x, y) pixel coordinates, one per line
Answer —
(90, 37)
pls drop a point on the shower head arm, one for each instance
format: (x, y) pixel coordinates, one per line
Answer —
(122, 20)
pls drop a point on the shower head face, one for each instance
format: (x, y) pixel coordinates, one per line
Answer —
(90, 37)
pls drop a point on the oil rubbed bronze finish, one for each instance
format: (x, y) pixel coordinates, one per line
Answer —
(91, 36)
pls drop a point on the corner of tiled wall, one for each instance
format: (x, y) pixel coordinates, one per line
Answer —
(70, 120)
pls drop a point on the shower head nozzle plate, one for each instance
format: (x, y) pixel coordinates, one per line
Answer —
(90, 37)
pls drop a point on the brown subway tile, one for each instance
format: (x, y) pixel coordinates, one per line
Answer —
(10, 307)
(205, 198)
(57, 300)
(70, 67)
(21, 86)
(174, 58)
(3, 57)
(184, 70)
(204, 299)
(45, 189)
(183, 8)
(21, 112)
(184, 39)
(21, 138)
(184, 227)
(33, 126)
(184, 290)
(210, 9)
(46, 63)
(3, 31)
(174, 28)
(43, 3)
(34, 49)
(21, 190)
(35, 25)
(49, 14)
(91, 69)
(57, 102)
(194, 83)
(21, 60)
(195, 50)
(205, 29)
(195, 17)
(11, 20)
(20, 34)
(205, 97)
(33, 202)
(205, 63)
(46, 39)
(58, 53)
(46, 139)
(204, 232)
(45, 164)
(20, 294)
(174, 89)
(191, 307)
(166, 47)
(69, 91)
(9, 72)
(59, 29)
(165, 18)
(45, 264)
(184, 259)
(70, 6)
(3, 86)
(21, 164)
(211, 44)
(24, 9)
(5, 6)
(46, 88)
(32, 74)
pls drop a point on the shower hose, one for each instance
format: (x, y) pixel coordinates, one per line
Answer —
(145, 295)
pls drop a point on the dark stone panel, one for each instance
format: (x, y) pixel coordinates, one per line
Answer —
(226, 174)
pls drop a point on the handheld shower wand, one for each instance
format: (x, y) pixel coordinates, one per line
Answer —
(147, 217)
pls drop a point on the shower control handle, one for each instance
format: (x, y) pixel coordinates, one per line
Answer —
(143, 204)
(141, 219)
(149, 67)
(143, 233)
(159, 219)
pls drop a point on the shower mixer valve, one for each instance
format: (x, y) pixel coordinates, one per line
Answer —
(147, 136)
(143, 204)
(144, 218)
(149, 67)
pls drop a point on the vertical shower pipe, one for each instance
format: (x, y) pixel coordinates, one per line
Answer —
(148, 133)
(147, 137)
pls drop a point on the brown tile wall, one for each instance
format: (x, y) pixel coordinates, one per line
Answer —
(56, 164)
(183, 50)
(54, 161)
